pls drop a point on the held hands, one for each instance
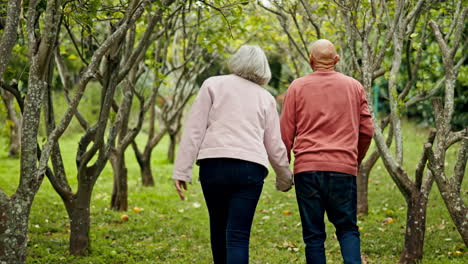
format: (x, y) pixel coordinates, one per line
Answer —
(179, 184)
(284, 183)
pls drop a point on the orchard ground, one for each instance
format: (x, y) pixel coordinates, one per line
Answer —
(171, 231)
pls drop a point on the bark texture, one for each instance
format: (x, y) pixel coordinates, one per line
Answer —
(415, 228)
(14, 216)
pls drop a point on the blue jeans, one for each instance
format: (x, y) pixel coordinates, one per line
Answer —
(318, 192)
(231, 188)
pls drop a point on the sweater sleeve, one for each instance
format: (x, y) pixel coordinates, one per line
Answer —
(366, 127)
(288, 120)
(193, 134)
(275, 148)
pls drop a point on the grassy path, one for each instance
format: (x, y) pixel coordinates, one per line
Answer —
(171, 231)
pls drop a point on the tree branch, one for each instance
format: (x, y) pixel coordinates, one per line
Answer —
(460, 165)
(422, 162)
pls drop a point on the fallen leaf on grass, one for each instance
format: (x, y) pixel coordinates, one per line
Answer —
(388, 220)
(289, 245)
(266, 217)
(124, 217)
(287, 213)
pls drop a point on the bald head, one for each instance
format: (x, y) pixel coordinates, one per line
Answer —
(323, 55)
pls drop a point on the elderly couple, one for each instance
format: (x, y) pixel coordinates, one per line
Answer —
(233, 130)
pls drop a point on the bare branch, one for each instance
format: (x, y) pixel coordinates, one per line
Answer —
(311, 20)
(460, 26)
(399, 176)
(442, 44)
(460, 165)
(454, 137)
(422, 162)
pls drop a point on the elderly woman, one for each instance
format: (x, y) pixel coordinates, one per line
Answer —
(233, 131)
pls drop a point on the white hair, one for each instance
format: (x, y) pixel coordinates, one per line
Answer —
(250, 62)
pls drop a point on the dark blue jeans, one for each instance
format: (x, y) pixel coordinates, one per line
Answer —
(318, 192)
(231, 188)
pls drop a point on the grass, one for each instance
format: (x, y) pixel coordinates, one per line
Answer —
(172, 231)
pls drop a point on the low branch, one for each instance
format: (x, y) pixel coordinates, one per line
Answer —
(399, 176)
(422, 162)
(454, 137)
(460, 165)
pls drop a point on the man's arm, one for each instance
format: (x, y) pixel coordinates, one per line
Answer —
(288, 120)
(366, 127)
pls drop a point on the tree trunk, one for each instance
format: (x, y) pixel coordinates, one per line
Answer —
(415, 228)
(146, 173)
(15, 126)
(120, 190)
(14, 217)
(172, 147)
(79, 213)
(362, 190)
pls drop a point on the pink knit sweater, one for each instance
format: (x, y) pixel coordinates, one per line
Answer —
(232, 118)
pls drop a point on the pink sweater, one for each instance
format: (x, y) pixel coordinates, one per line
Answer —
(232, 118)
(326, 122)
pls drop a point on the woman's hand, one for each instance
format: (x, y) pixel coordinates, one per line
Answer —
(179, 184)
(284, 184)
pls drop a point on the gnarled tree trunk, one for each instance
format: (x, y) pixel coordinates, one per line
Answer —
(14, 217)
(79, 214)
(120, 188)
(172, 147)
(145, 168)
(415, 228)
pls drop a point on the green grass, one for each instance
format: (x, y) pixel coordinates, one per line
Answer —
(172, 231)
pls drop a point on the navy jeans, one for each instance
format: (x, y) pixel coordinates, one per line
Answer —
(231, 188)
(318, 192)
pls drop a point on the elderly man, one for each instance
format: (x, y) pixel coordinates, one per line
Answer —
(327, 124)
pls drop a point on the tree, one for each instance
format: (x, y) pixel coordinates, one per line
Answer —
(15, 209)
(443, 111)
(13, 122)
(415, 191)
(198, 46)
(125, 135)
(94, 147)
(301, 19)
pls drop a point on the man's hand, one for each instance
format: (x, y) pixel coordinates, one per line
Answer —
(179, 184)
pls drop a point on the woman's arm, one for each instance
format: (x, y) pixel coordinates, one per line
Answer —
(193, 134)
(276, 150)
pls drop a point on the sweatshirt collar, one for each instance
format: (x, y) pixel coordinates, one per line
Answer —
(325, 71)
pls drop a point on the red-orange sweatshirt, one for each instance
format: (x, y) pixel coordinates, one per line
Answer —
(326, 122)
